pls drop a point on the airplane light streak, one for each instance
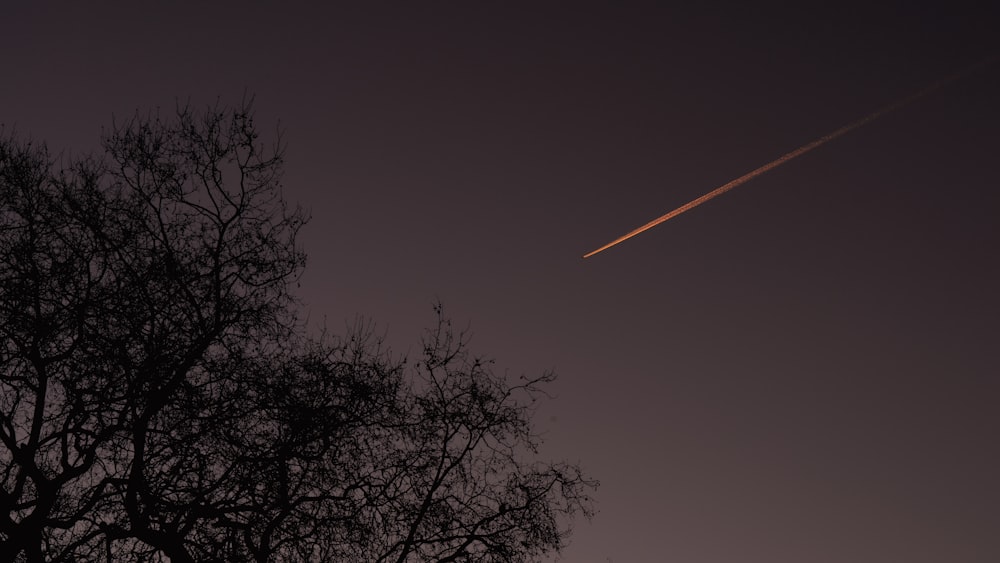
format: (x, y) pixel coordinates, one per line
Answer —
(789, 156)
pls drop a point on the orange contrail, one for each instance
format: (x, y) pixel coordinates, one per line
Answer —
(795, 153)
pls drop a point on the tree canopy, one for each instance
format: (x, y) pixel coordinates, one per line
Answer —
(161, 401)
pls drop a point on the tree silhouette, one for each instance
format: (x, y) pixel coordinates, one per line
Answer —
(159, 399)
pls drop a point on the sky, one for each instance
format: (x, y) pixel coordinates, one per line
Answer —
(805, 369)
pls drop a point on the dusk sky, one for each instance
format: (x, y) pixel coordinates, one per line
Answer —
(803, 370)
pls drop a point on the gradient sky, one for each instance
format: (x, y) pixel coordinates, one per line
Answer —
(802, 370)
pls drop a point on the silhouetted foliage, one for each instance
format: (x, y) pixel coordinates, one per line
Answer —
(159, 399)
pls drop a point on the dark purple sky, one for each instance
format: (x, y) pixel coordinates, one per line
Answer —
(806, 369)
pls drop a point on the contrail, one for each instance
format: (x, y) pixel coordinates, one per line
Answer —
(795, 153)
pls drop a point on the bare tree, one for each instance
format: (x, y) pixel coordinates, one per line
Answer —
(159, 399)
